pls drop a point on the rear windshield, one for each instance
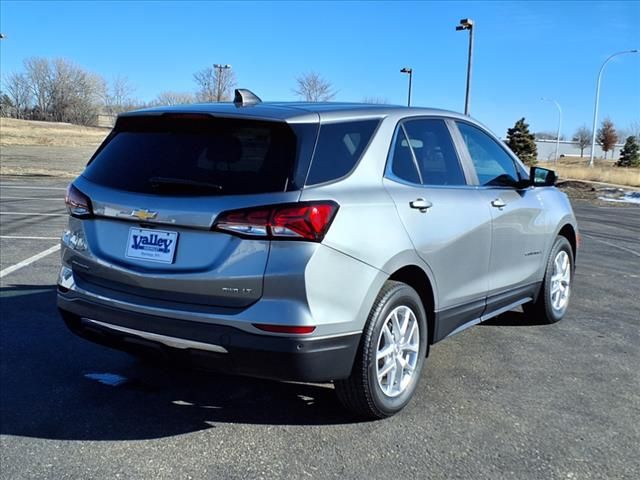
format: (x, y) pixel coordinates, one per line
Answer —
(195, 155)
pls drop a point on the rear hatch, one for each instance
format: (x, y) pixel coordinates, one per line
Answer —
(158, 183)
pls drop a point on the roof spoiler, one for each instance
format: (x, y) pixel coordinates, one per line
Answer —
(244, 97)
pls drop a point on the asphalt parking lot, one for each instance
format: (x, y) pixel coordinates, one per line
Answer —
(506, 399)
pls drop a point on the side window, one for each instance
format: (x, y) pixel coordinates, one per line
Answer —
(493, 164)
(434, 152)
(402, 164)
(339, 148)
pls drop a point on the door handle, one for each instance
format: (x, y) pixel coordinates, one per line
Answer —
(498, 203)
(421, 204)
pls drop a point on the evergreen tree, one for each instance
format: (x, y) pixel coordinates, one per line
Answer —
(522, 142)
(630, 153)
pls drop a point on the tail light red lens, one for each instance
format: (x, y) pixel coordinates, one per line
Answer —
(78, 204)
(300, 330)
(300, 221)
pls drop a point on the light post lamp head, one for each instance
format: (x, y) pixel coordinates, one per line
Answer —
(406, 70)
(465, 24)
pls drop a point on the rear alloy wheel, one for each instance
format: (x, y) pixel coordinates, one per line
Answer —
(553, 299)
(390, 357)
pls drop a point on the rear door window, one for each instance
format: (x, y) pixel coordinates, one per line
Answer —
(403, 164)
(195, 155)
(339, 147)
(424, 153)
(434, 152)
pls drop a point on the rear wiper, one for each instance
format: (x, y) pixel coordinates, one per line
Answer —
(183, 183)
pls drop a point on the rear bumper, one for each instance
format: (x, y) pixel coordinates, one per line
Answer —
(218, 347)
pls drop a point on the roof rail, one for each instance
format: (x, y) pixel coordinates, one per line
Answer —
(244, 97)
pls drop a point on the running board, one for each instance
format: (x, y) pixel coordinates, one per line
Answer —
(172, 342)
(495, 313)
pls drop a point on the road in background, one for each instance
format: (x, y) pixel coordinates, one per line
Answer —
(507, 399)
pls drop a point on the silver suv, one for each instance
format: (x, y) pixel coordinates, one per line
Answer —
(309, 242)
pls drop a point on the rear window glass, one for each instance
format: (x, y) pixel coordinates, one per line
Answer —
(195, 155)
(339, 148)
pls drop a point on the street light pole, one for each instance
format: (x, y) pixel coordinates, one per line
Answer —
(559, 123)
(220, 67)
(410, 72)
(467, 24)
(595, 109)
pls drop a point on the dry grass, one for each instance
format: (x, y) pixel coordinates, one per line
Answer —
(28, 133)
(600, 173)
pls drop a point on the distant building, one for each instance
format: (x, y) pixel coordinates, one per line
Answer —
(105, 120)
(547, 150)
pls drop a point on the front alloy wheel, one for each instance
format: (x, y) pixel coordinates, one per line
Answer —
(553, 298)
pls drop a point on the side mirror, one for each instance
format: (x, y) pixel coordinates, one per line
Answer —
(542, 177)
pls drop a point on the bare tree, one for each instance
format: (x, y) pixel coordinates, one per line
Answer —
(173, 98)
(607, 136)
(19, 92)
(583, 138)
(375, 100)
(214, 84)
(633, 130)
(38, 74)
(313, 88)
(6, 105)
(119, 96)
(75, 94)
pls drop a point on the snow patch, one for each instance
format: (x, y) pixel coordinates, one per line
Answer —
(627, 197)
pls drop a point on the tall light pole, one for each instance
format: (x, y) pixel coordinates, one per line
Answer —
(220, 67)
(408, 71)
(559, 123)
(467, 24)
(595, 109)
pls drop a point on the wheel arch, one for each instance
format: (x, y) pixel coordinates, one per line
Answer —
(417, 278)
(569, 232)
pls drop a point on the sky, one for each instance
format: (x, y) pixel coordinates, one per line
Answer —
(523, 51)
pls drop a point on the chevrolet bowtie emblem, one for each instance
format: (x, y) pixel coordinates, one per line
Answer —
(143, 214)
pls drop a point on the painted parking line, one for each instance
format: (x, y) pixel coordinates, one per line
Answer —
(28, 261)
(20, 237)
(3, 197)
(633, 252)
(30, 214)
(29, 187)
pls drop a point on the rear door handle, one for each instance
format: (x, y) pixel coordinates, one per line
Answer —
(421, 204)
(498, 203)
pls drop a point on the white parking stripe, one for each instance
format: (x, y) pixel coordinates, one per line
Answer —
(613, 245)
(29, 261)
(61, 198)
(31, 214)
(28, 187)
(18, 237)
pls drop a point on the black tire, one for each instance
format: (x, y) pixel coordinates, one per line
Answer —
(542, 310)
(361, 393)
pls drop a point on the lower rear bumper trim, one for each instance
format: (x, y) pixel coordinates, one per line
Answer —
(172, 342)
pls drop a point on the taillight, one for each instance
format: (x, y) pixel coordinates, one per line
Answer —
(300, 330)
(78, 203)
(298, 221)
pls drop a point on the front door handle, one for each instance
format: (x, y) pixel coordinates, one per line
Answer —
(421, 204)
(498, 203)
